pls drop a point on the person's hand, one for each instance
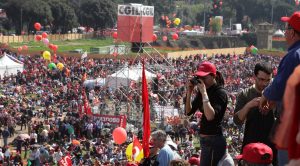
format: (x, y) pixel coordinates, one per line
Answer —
(264, 106)
(201, 87)
(253, 103)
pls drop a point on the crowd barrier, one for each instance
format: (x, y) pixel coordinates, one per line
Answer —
(51, 37)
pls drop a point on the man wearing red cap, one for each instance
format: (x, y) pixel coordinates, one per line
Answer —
(273, 94)
(257, 154)
(211, 100)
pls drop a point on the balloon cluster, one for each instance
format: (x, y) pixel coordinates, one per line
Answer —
(165, 38)
(253, 50)
(168, 22)
(21, 48)
(44, 37)
(46, 54)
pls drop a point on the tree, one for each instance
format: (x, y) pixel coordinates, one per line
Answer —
(13, 13)
(36, 11)
(216, 25)
(5, 25)
(216, 8)
(98, 13)
(64, 16)
(161, 7)
(28, 12)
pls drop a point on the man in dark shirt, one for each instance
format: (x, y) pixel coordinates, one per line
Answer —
(257, 126)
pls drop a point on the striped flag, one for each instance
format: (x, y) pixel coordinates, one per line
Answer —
(84, 55)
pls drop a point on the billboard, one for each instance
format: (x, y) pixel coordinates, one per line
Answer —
(135, 23)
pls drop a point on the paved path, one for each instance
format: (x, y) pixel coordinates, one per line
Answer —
(17, 132)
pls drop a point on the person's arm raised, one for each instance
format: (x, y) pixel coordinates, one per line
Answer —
(240, 115)
(209, 111)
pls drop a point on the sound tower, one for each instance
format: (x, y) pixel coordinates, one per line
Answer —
(137, 47)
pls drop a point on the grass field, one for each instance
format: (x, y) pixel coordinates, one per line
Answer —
(67, 45)
(86, 44)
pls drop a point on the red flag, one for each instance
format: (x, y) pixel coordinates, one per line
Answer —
(136, 147)
(65, 161)
(146, 117)
(86, 105)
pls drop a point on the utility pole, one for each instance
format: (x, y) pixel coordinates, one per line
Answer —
(272, 10)
(204, 13)
(21, 27)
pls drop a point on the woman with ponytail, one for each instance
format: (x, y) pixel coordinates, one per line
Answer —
(211, 100)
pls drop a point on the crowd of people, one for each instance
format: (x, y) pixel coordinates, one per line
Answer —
(39, 93)
(214, 95)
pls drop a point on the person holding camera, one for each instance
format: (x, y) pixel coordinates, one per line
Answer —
(211, 99)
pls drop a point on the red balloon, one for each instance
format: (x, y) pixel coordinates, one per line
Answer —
(44, 35)
(54, 48)
(37, 26)
(119, 135)
(51, 46)
(175, 36)
(20, 49)
(25, 47)
(154, 37)
(38, 37)
(165, 38)
(115, 35)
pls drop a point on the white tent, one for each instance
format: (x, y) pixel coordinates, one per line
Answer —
(127, 74)
(93, 83)
(279, 33)
(8, 66)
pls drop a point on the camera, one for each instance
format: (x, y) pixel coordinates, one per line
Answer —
(195, 80)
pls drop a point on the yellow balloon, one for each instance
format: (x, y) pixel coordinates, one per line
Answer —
(60, 66)
(177, 21)
(47, 55)
(128, 153)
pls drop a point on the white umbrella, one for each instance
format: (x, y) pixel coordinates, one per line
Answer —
(24, 136)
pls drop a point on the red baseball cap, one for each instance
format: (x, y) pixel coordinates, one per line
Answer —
(206, 68)
(256, 153)
(294, 21)
(194, 161)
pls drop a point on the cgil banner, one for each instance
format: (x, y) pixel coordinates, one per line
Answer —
(135, 23)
